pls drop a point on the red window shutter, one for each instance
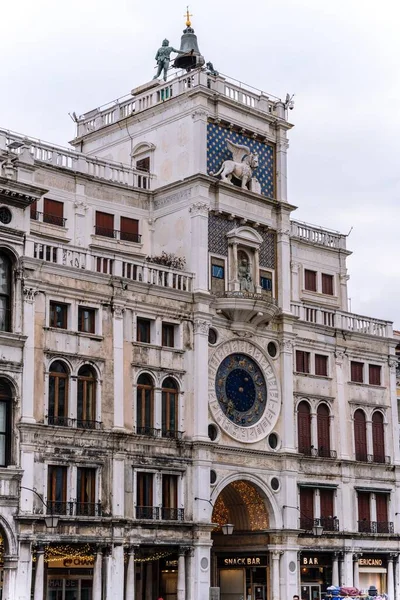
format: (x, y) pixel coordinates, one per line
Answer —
(381, 508)
(321, 365)
(104, 220)
(364, 513)
(356, 371)
(53, 208)
(327, 284)
(378, 437)
(310, 280)
(323, 426)
(129, 229)
(304, 428)
(306, 508)
(374, 374)
(326, 500)
(360, 435)
(302, 361)
(34, 210)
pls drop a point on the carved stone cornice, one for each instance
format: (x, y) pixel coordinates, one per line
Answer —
(201, 326)
(29, 294)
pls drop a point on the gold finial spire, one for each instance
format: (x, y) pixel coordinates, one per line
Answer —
(188, 15)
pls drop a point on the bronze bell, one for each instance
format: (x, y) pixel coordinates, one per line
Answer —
(189, 57)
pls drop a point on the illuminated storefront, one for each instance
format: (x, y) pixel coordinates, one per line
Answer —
(315, 575)
(242, 575)
(372, 571)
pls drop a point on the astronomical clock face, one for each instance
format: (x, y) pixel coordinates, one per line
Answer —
(243, 391)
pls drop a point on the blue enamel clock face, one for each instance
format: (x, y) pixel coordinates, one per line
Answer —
(241, 389)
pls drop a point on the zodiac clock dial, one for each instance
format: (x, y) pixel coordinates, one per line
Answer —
(241, 390)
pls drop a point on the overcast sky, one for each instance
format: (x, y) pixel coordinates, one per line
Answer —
(341, 59)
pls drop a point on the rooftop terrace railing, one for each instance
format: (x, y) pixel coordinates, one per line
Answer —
(76, 162)
(179, 84)
(318, 235)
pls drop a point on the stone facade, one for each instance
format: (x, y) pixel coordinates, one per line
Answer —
(147, 407)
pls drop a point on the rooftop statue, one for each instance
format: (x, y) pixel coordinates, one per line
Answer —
(162, 58)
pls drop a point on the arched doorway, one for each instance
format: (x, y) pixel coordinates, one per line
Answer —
(240, 560)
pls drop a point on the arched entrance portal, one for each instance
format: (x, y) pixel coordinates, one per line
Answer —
(240, 560)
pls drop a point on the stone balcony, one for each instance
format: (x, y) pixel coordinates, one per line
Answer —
(247, 307)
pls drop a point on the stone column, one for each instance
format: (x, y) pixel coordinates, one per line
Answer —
(314, 430)
(181, 588)
(370, 447)
(390, 577)
(199, 243)
(348, 571)
(97, 574)
(286, 360)
(200, 379)
(39, 574)
(335, 569)
(27, 408)
(275, 555)
(130, 575)
(356, 576)
(189, 574)
(283, 260)
(234, 279)
(107, 573)
(117, 573)
(9, 577)
(393, 444)
(282, 147)
(24, 574)
(118, 339)
(344, 441)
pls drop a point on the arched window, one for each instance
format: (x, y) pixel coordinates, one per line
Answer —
(169, 409)
(86, 404)
(5, 292)
(5, 423)
(360, 435)
(304, 428)
(145, 405)
(378, 437)
(323, 427)
(58, 394)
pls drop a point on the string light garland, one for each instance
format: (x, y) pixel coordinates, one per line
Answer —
(86, 553)
(253, 501)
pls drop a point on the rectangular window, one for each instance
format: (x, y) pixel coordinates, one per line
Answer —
(34, 211)
(326, 497)
(104, 224)
(86, 319)
(356, 369)
(382, 524)
(5, 428)
(374, 374)
(217, 271)
(53, 212)
(170, 497)
(86, 492)
(302, 361)
(306, 508)
(143, 330)
(168, 335)
(364, 512)
(327, 284)
(143, 164)
(58, 315)
(310, 280)
(144, 497)
(57, 490)
(129, 230)
(217, 275)
(321, 365)
(266, 281)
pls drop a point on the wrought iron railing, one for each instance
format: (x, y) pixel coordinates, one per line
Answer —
(88, 509)
(172, 514)
(365, 526)
(151, 513)
(48, 218)
(327, 523)
(155, 513)
(117, 234)
(74, 508)
(372, 458)
(78, 423)
(145, 430)
(322, 452)
(172, 434)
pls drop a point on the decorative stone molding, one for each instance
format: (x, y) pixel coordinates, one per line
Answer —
(339, 357)
(199, 209)
(201, 326)
(287, 346)
(29, 294)
(295, 267)
(118, 311)
(266, 423)
(200, 115)
(81, 207)
(393, 364)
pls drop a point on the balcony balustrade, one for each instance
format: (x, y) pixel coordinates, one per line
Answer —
(156, 513)
(139, 272)
(157, 433)
(321, 452)
(73, 423)
(318, 236)
(116, 234)
(327, 523)
(48, 218)
(365, 526)
(74, 508)
(372, 458)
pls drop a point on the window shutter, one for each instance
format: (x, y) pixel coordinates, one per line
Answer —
(357, 371)
(381, 508)
(321, 365)
(323, 426)
(360, 435)
(104, 220)
(378, 437)
(304, 428)
(363, 507)
(34, 210)
(374, 374)
(326, 500)
(129, 226)
(306, 508)
(327, 284)
(310, 280)
(53, 208)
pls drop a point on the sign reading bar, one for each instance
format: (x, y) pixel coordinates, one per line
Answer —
(242, 561)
